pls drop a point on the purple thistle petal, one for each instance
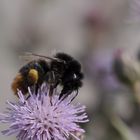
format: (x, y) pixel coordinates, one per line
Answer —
(43, 118)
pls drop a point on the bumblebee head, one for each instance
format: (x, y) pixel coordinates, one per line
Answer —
(33, 75)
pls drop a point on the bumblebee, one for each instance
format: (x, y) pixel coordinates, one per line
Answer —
(62, 70)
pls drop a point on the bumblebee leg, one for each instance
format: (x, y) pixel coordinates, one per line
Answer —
(51, 82)
(75, 95)
(51, 90)
(61, 95)
(28, 97)
(36, 88)
(64, 94)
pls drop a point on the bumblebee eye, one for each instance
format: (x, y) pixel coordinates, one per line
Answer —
(33, 75)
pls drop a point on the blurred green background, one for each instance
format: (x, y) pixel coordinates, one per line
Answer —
(90, 30)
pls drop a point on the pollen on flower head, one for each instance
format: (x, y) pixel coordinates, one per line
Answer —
(43, 118)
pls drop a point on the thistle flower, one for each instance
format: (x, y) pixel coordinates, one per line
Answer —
(42, 117)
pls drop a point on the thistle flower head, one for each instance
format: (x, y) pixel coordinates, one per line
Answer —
(42, 117)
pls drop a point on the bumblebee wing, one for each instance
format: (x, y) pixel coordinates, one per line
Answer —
(27, 57)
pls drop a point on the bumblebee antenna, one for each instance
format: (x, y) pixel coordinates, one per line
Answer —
(42, 56)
